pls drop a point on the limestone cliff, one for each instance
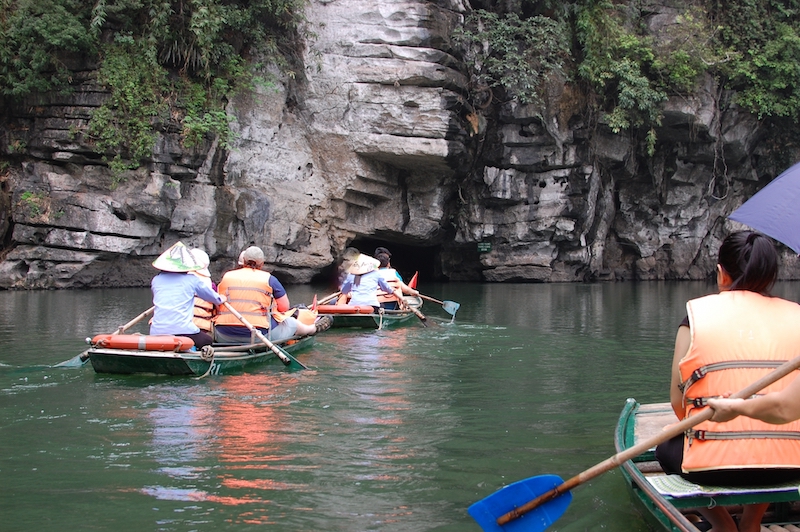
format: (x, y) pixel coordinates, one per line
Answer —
(373, 144)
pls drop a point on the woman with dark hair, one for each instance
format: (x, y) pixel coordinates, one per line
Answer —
(728, 341)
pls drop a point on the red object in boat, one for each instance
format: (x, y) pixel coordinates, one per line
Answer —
(345, 309)
(143, 342)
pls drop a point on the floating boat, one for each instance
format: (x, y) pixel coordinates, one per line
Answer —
(669, 502)
(120, 354)
(365, 317)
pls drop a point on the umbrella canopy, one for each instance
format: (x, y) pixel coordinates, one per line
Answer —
(775, 209)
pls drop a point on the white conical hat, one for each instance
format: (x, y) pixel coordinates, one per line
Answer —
(364, 264)
(177, 259)
(201, 257)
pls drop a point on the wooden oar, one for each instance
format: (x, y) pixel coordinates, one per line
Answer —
(451, 307)
(83, 357)
(498, 511)
(286, 358)
(327, 299)
(401, 303)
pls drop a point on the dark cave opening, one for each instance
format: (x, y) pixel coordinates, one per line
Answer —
(406, 259)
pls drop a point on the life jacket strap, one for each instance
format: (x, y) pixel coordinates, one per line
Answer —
(702, 371)
(741, 435)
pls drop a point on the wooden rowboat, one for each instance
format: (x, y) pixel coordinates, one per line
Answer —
(361, 317)
(226, 359)
(670, 502)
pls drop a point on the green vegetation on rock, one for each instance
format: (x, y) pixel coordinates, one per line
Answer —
(160, 60)
(750, 46)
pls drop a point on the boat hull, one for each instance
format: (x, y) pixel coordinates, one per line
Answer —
(227, 359)
(385, 319)
(678, 511)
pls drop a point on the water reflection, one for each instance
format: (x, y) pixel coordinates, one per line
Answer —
(396, 430)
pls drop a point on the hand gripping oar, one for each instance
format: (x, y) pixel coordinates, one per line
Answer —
(83, 357)
(512, 509)
(451, 307)
(286, 358)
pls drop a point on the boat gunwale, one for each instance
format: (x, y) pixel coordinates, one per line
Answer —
(624, 435)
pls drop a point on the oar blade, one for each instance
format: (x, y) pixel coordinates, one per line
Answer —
(294, 363)
(488, 510)
(75, 362)
(451, 307)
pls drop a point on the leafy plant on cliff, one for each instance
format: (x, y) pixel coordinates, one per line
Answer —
(764, 36)
(618, 64)
(36, 37)
(161, 60)
(122, 126)
(513, 53)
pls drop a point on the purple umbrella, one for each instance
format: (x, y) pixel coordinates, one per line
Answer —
(775, 209)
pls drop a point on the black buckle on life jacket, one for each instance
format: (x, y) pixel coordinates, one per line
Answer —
(698, 402)
(699, 373)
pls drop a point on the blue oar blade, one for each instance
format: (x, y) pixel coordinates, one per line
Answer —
(488, 510)
(451, 307)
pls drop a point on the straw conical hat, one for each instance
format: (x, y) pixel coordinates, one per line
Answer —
(364, 264)
(177, 259)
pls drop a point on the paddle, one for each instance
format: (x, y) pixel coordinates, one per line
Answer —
(451, 307)
(422, 318)
(286, 358)
(327, 299)
(512, 509)
(83, 357)
(401, 303)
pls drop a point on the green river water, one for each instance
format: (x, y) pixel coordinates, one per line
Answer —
(397, 430)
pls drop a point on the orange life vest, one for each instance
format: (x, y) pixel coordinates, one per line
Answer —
(736, 338)
(203, 310)
(249, 292)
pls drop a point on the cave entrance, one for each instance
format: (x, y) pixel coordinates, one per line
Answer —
(406, 259)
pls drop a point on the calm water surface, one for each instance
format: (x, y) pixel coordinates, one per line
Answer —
(396, 430)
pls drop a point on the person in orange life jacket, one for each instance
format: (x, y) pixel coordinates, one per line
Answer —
(362, 283)
(721, 338)
(261, 299)
(174, 290)
(203, 310)
(391, 276)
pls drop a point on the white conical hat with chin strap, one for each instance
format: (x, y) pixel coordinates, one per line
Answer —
(177, 259)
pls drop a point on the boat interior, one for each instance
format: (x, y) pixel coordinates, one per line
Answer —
(671, 493)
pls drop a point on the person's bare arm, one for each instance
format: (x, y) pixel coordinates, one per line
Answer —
(776, 407)
(682, 340)
(282, 303)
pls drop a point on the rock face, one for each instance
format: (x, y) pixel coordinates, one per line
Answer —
(370, 145)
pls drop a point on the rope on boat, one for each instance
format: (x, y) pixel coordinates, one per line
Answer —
(207, 355)
(380, 320)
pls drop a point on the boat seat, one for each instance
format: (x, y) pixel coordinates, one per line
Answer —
(675, 488)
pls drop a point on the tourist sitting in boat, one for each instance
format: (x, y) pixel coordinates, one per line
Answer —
(174, 290)
(364, 280)
(393, 278)
(261, 299)
(203, 310)
(728, 341)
